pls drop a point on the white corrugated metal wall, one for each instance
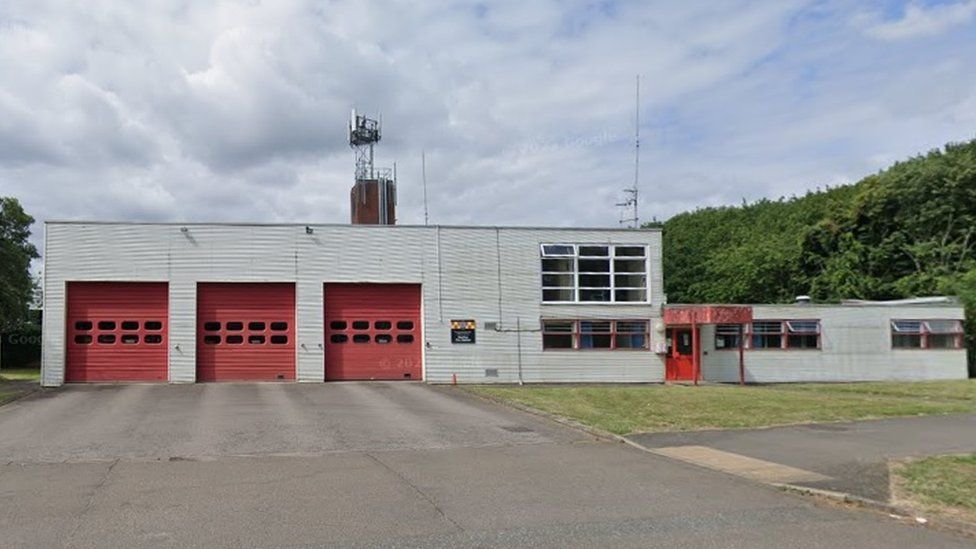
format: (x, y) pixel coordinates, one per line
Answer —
(485, 273)
(855, 346)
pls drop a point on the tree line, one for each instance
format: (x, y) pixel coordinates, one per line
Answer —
(907, 231)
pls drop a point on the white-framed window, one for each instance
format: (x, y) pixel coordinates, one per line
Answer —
(596, 334)
(594, 273)
(727, 336)
(927, 334)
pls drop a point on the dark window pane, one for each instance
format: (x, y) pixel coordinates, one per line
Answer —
(630, 295)
(279, 339)
(339, 338)
(360, 325)
(632, 326)
(629, 266)
(566, 326)
(558, 280)
(558, 265)
(594, 265)
(106, 324)
(630, 281)
(906, 341)
(591, 326)
(130, 325)
(806, 341)
(404, 325)
(83, 325)
(382, 325)
(83, 339)
(404, 338)
(588, 341)
(211, 326)
(628, 251)
(337, 325)
(153, 339)
(558, 295)
(129, 339)
(255, 326)
(360, 338)
(594, 251)
(594, 295)
(767, 341)
(941, 341)
(279, 326)
(235, 339)
(106, 339)
(631, 341)
(726, 341)
(557, 249)
(557, 341)
(234, 327)
(211, 340)
(255, 339)
(153, 325)
(383, 338)
(594, 281)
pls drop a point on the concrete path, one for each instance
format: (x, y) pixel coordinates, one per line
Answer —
(844, 457)
(371, 465)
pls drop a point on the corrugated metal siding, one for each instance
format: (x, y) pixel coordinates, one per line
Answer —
(488, 274)
(855, 346)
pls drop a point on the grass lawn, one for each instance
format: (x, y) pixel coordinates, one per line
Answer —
(943, 483)
(624, 409)
(12, 383)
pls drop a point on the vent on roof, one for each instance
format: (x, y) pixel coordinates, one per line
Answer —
(803, 300)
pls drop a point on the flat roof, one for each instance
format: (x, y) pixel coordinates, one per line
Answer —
(255, 224)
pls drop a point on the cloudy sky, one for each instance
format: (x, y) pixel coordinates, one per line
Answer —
(237, 110)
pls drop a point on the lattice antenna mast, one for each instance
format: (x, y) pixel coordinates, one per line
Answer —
(363, 134)
(631, 201)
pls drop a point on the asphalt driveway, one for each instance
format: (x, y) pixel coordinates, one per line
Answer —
(406, 465)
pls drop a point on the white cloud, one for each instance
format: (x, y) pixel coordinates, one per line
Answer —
(919, 20)
(236, 110)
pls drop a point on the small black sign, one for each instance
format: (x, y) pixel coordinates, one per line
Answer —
(462, 331)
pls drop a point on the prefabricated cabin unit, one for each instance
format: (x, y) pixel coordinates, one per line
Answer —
(871, 341)
(224, 302)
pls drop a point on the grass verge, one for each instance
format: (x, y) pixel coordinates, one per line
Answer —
(16, 382)
(647, 408)
(943, 484)
(20, 374)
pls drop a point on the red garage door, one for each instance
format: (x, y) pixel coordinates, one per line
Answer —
(372, 331)
(245, 332)
(116, 331)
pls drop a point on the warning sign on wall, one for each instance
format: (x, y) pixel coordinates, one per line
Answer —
(462, 331)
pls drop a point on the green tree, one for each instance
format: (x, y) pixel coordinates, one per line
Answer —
(16, 253)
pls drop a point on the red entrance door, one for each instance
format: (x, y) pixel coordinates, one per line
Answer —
(680, 365)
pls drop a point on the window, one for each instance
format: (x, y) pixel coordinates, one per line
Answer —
(596, 334)
(129, 339)
(339, 338)
(279, 339)
(594, 273)
(211, 339)
(234, 339)
(106, 324)
(404, 338)
(279, 327)
(382, 325)
(360, 324)
(767, 334)
(83, 339)
(404, 325)
(926, 334)
(255, 326)
(803, 334)
(727, 336)
(130, 325)
(153, 339)
(383, 338)
(153, 325)
(337, 325)
(255, 339)
(83, 325)
(106, 339)
(234, 327)
(211, 326)
(360, 338)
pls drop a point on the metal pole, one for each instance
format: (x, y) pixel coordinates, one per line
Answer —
(423, 168)
(742, 357)
(694, 350)
(518, 333)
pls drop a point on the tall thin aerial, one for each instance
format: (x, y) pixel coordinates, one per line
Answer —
(631, 201)
(423, 169)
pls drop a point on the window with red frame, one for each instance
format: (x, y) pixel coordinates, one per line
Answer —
(610, 335)
(926, 334)
(785, 334)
